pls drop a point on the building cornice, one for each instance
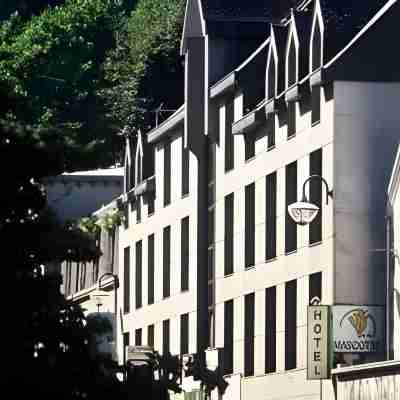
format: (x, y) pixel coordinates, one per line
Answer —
(365, 369)
(167, 127)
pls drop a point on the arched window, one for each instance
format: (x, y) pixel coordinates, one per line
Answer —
(316, 46)
(291, 63)
(139, 160)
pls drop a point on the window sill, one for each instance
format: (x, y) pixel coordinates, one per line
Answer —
(272, 259)
(315, 123)
(228, 275)
(270, 148)
(250, 268)
(291, 136)
(184, 290)
(288, 253)
(185, 196)
(166, 297)
(150, 215)
(315, 244)
(227, 171)
(249, 159)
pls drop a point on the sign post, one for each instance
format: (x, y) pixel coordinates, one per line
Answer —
(318, 342)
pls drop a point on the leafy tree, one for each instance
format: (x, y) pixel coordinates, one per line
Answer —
(144, 69)
(51, 63)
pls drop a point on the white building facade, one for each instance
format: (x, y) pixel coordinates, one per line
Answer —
(209, 256)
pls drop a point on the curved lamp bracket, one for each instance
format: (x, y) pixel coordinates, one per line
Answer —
(329, 193)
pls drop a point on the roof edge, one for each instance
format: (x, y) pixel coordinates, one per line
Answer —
(394, 182)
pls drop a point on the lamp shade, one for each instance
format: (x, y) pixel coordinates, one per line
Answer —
(303, 212)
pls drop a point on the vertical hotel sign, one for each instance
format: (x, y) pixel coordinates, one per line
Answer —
(318, 341)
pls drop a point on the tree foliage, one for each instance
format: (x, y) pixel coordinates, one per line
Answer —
(144, 67)
(52, 63)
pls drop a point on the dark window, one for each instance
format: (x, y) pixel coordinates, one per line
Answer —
(138, 275)
(229, 139)
(150, 335)
(211, 226)
(249, 146)
(126, 215)
(291, 119)
(315, 104)
(271, 77)
(271, 131)
(315, 286)
(229, 226)
(249, 248)
(150, 269)
(316, 47)
(167, 173)
(185, 169)
(167, 261)
(138, 210)
(270, 216)
(270, 329)
(127, 268)
(315, 185)
(249, 334)
(290, 324)
(228, 337)
(185, 254)
(291, 197)
(150, 204)
(292, 76)
(211, 162)
(165, 342)
(126, 339)
(185, 334)
(78, 267)
(138, 337)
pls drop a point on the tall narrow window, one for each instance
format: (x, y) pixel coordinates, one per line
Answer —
(315, 286)
(228, 337)
(271, 132)
(229, 140)
(165, 342)
(291, 197)
(185, 170)
(270, 216)
(229, 226)
(271, 76)
(315, 227)
(138, 337)
(249, 334)
(291, 119)
(150, 204)
(167, 173)
(127, 268)
(185, 254)
(249, 225)
(185, 334)
(138, 275)
(290, 324)
(138, 210)
(167, 261)
(270, 329)
(126, 216)
(315, 104)
(150, 269)
(126, 340)
(316, 46)
(249, 146)
(150, 335)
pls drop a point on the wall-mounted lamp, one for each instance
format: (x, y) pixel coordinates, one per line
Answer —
(303, 212)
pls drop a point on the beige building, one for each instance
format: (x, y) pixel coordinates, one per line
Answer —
(209, 257)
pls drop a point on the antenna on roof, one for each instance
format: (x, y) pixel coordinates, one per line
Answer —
(159, 110)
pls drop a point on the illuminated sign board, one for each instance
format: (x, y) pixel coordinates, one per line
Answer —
(358, 329)
(318, 341)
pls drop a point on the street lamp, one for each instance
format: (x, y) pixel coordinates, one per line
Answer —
(303, 212)
(99, 292)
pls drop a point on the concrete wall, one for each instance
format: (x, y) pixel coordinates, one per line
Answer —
(366, 125)
(179, 302)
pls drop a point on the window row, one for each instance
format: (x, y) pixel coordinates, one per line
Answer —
(166, 336)
(270, 340)
(291, 190)
(166, 266)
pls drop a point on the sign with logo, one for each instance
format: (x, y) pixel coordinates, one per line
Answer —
(358, 329)
(318, 340)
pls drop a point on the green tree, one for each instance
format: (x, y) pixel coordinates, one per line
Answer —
(51, 63)
(144, 68)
